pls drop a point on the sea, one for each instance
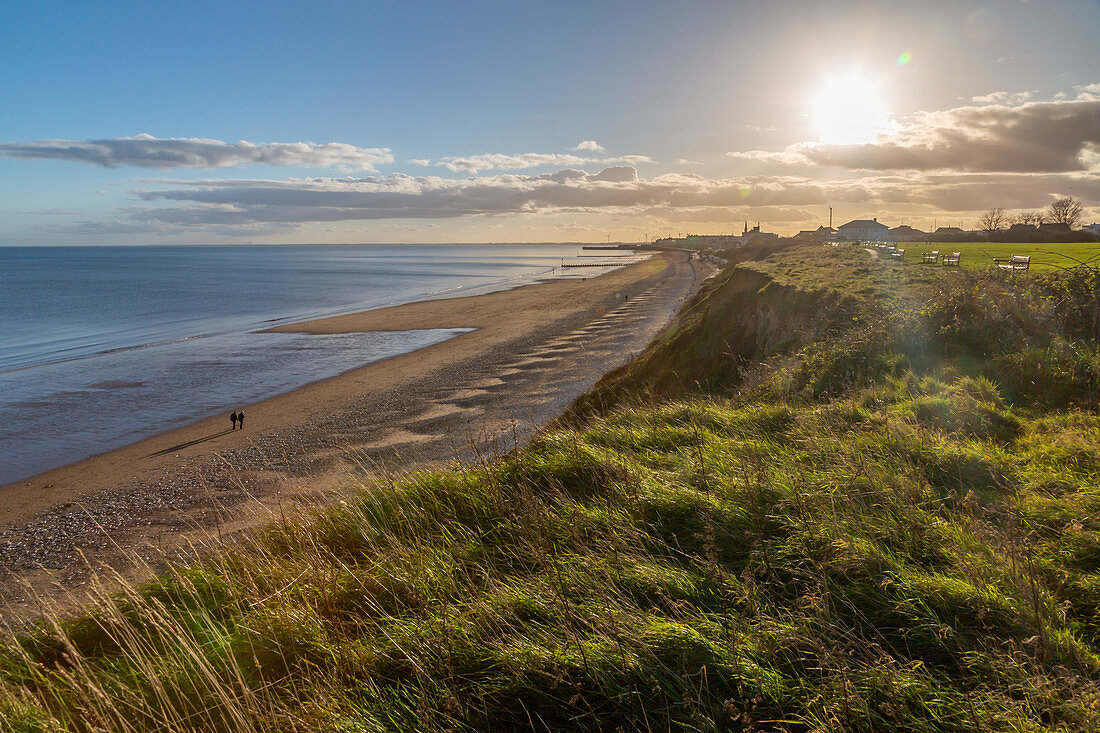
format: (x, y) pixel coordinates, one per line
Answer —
(101, 346)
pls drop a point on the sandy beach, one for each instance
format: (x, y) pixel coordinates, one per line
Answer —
(532, 350)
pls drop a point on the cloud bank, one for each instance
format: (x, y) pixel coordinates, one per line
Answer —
(1057, 136)
(401, 196)
(146, 151)
(617, 190)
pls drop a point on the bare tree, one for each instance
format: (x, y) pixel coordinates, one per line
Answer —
(1066, 211)
(992, 220)
(1033, 218)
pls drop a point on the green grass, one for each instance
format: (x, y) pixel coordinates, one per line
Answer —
(1045, 256)
(845, 268)
(882, 518)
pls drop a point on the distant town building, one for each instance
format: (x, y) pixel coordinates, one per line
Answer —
(1054, 227)
(1093, 229)
(864, 230)
(821, 234)
(712, 241)
(905, 233)
(948, 234)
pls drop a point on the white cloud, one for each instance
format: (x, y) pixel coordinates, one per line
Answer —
(589, 145)
(420, 161)
(147, 151)
(1090, 92)
(1005, 97)
(500, 161)
(792, 155)
(504, 161)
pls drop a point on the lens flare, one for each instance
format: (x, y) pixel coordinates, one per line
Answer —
(905, 58)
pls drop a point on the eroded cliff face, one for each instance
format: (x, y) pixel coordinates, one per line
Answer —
(741, 317)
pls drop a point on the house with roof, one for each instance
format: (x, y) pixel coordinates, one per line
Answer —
(905, 233)
(821, 234)
(1054, 227)
(863, 230)
(948, 234)
(1015, 233)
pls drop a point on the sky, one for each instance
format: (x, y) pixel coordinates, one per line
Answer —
(418, 121)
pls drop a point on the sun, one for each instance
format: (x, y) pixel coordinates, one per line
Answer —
(849, 111)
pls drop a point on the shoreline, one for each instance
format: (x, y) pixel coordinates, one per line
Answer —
(415, 314)
(290, 325)
(175, 486)
(459, 291)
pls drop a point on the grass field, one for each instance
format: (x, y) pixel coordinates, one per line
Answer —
(976, 255)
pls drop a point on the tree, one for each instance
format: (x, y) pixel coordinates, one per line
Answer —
(1032, 218)
(992, 220)
(1066, 211)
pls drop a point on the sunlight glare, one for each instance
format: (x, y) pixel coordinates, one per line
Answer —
(849, 111)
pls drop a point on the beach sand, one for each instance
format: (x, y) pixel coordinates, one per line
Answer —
(534, 349)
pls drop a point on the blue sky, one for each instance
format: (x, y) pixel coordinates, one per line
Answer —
(432, 121)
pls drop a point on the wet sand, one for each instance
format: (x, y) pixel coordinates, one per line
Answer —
(534, 349)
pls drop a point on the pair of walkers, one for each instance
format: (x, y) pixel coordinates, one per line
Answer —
(237, 417)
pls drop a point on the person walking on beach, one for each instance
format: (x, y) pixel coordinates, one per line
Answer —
(240, 418)
(233, 419)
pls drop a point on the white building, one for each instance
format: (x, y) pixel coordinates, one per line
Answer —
(864, 230)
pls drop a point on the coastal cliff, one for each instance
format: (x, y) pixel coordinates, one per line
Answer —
(740, 317)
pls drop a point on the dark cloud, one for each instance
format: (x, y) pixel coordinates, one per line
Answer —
(1041, 137)
(617, 174)
(149, 152)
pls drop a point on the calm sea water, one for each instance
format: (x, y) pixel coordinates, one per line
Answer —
(101, 346)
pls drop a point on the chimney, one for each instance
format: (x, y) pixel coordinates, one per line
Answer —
(876, 220)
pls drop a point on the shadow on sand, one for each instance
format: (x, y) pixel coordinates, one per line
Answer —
(189, 443)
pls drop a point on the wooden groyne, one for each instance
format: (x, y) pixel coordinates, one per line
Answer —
(612, 263)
